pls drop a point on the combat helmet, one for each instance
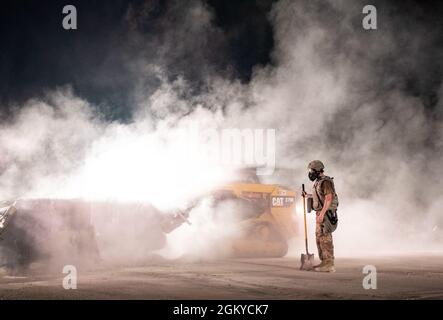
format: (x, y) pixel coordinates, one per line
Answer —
(316, 165)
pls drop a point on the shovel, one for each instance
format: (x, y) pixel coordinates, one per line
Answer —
(307, 260)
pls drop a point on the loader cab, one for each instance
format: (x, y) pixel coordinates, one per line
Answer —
(266, 214)
(246, 175)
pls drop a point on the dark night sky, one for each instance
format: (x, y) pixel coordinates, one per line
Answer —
(37, 54)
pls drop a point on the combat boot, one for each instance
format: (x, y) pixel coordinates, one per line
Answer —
(321, 264)
(328, 266)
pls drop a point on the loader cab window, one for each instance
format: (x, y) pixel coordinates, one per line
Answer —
(244, 207)
(248, 175)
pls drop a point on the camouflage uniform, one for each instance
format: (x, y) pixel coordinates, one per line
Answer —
(323, 186)
(325, 244)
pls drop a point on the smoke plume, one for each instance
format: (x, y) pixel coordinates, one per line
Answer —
(333, 91)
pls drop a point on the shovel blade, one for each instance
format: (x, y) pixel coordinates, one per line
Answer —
(307, 261)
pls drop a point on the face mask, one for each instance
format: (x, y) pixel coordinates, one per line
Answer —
(313, 175)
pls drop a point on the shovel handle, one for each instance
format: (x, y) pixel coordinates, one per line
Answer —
(304, 218)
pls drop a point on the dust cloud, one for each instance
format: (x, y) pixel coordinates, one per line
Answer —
(333, 92)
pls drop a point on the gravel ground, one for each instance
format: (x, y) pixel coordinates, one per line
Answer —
(402, 277)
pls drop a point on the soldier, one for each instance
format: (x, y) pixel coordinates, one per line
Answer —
(325, 203)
